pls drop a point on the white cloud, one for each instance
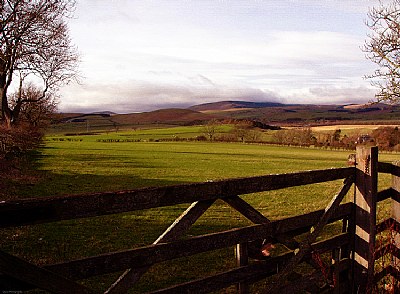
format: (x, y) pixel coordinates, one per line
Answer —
(141, 96)
(343, 95)
(153, 53)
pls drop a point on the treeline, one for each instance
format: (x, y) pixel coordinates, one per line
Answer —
(242, 131)
(166, 139)
(386, 138)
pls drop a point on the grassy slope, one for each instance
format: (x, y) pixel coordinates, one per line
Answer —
(310, 114)
(89, 166)
(284, 115)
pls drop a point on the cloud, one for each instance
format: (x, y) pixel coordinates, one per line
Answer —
(137, 96)
(144, 55)
(93, 12)
(283, 61)
(343, 95)
(344, 6)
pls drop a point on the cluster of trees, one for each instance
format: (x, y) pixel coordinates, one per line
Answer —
(386, 138)
(295, 137)
(306, 137)
(242, 131)
(36, 58)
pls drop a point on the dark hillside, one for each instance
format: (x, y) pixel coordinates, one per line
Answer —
(228, 105)
(277, 113)
(165, 116)
(268, 113)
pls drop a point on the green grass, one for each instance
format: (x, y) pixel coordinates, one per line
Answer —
(86, 165)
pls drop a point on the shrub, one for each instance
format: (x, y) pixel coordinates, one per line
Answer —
(17, 141)
(201, 138)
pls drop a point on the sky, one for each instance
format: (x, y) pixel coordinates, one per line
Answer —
(143, 55)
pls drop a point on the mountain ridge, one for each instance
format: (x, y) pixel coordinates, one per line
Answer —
(232, 104)
(271, 113)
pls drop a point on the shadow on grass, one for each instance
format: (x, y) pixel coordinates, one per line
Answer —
(34, 181)
(71, 239)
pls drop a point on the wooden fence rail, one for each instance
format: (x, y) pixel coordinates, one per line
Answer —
(49, 209)
(350, 250)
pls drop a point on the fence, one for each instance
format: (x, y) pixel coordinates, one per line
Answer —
(352, 251)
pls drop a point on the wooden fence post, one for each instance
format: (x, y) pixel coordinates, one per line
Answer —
(365, 217)
(396, 210)
(242, 259)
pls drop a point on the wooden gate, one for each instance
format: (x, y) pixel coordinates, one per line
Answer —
(343, 263)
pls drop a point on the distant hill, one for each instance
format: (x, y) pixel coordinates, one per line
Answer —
(104, 112)
(164, 116)
(300, 114)
(268, 113)
(232, 105)
(167, 116)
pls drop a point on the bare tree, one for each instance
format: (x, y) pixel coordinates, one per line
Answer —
(30, 108)
(383, 48)
(211, 128)
(241, 130)
(35, 46)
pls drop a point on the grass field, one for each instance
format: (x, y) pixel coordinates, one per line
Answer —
(83, 164)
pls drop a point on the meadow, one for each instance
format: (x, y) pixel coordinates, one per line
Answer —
(85, 164)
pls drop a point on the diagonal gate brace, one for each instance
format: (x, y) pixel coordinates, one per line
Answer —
(305, 246)
(32, 274)
(175, 231)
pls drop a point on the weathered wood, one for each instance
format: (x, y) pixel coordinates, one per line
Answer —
(336, 270)
(332, 242)
(385, 194)
(395, 169)
(252, 272)
(246, 210)
(388, 249)
(222, 280)
(304, 247)
(395, 261)
(365, 216)
(345, 250)
(388, 224)
(184, 222)
(148, 255)
(384, 225)
(40, 210)
(174, 231)
(32, 211)
(42, 278)
(389, 168)
(389, 270)
(242, 259)
(384, 167)
(309, 283)
(256, 217)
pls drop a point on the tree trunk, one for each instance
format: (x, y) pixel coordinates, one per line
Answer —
(15, 113)
(5, 109)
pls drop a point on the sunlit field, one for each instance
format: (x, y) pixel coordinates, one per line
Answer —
(86, 164)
